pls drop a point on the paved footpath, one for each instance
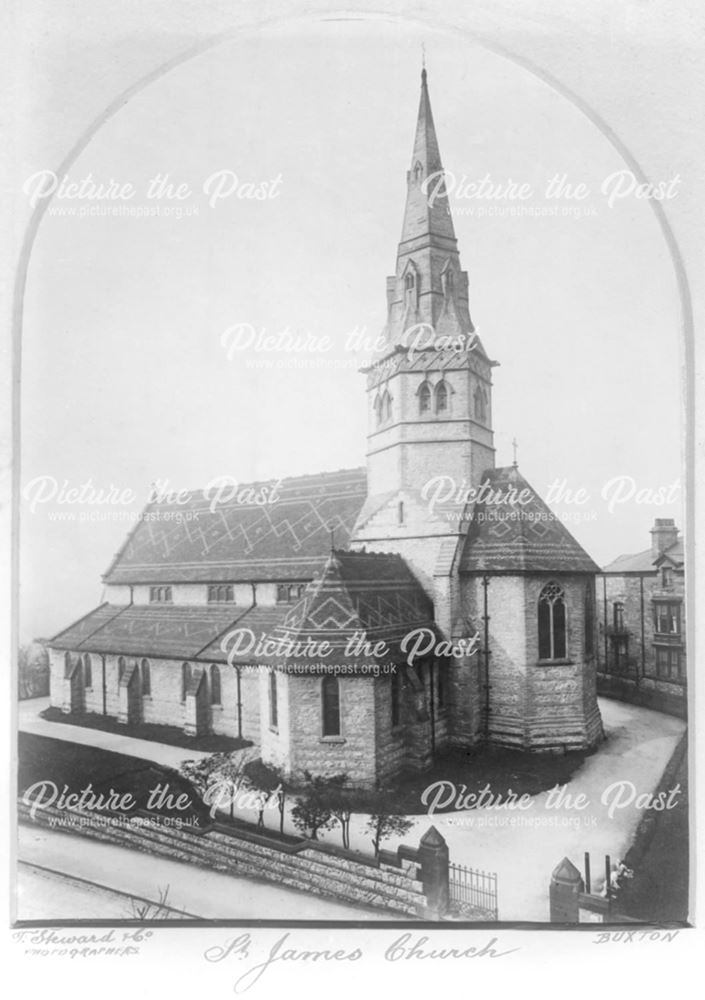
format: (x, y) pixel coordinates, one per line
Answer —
(30, 721)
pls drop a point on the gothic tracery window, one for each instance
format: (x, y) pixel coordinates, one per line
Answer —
(552, 623)
(424, 398)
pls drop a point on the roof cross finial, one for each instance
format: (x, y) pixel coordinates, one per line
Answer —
(515, 445)
(423, 63)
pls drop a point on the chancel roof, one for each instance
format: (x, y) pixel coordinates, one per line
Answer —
(514, 530)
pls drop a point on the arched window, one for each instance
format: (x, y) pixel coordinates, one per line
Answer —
(87, 671)
(589, 619)
(442, 667)
(480, 404)
(121, 668)
(215, 684)
(185, 679)
(146, 678)
(424, 397)
(552, 623)
(330, 704)
(396, 698)
(441, 397)
(378, 410)
(273, 706)
(387, 406)
(67, 664)
(410, 287)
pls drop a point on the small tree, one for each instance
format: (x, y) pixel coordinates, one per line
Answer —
(343, 803)
(383, 821)
(312, 811)
(271, 781)
(216, 768)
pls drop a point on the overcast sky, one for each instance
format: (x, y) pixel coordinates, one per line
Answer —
(126, 379)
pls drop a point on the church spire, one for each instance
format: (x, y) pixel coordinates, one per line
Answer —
(427, 210)
(429, 286)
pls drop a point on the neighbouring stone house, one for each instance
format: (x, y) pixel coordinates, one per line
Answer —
(362, 619)
(642, 648)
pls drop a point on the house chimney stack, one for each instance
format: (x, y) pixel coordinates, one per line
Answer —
(664, 534)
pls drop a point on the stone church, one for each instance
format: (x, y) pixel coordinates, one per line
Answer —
(451, 609)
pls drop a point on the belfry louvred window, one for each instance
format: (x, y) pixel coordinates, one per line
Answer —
(424, 397)
(441, 397)
(552, 623)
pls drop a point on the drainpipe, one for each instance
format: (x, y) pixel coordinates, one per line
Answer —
(433, 708)
(643, 648)
(486, 619)
(604, 614)
(105, 695)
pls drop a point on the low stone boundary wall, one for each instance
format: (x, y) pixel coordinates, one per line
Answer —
(646, 694)
(395, 885)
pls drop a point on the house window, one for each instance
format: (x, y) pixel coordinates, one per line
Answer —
(667, 576)
(441, 397)
(185, 679)
(552, 623)
(669, 663)
(396, 698)
(424, 398)
(618, 616)
(589, 619)
(273, 706)
(620, 650)
(146, 677)
(221, 593)
(87, 671)
(289, 593)
(667, 619)
(215, 684)
(330, 698)
(160, 595)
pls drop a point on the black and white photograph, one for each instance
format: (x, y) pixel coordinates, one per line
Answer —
(354, 486)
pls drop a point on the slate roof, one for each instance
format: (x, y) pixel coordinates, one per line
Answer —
(512, 537)
(285, 540)
(167, 631)
(644, 562)
(357, 592)
(374, 595)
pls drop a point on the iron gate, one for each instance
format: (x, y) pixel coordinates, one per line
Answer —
(473, 891)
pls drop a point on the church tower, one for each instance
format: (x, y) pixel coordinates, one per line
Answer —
(429, 390)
